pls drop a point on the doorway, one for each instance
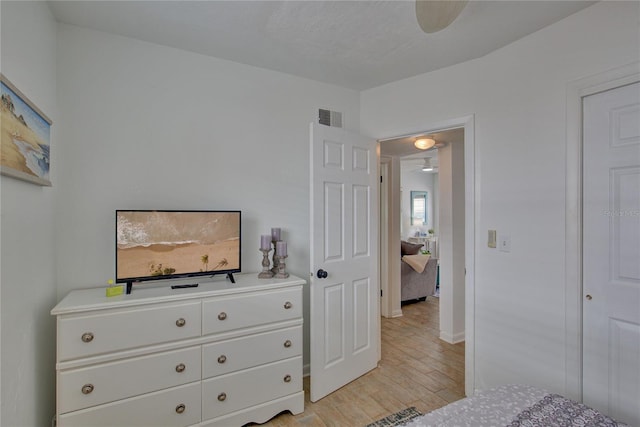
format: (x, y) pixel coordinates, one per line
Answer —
(390, 301)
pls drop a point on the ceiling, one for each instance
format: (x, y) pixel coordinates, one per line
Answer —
(353, 44)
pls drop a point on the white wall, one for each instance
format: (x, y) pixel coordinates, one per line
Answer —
(451, 242)
(146, 126)
(27, 282)
(412, 179)
(518, 97)
(436, 202)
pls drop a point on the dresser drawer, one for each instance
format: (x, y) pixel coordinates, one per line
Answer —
(241, 353)
(95, 385)
(226, 314)
(86, 335)
(161, 408)
(228, 393)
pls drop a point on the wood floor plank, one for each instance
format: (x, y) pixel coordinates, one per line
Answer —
(417, 369)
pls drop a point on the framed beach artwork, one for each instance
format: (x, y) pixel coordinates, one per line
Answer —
(24, 137)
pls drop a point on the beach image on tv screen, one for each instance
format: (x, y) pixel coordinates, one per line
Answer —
(156, 243)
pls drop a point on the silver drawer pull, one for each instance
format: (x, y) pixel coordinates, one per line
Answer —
(181, 322)
(222, 316)
(287, 378)
(87, 337)
(87, 388)
(222, 397)
(180, 408)
(287, 343)
(180, 367)
(288, 305)
(222, 359)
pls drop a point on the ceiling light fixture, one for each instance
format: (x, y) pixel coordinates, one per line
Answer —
(434, 16)
(427, 165)
(424, 143)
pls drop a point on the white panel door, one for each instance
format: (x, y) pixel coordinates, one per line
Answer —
(611, 253)
(344, 233)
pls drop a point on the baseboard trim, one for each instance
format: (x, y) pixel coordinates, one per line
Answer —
(396, 313)
(452, 339)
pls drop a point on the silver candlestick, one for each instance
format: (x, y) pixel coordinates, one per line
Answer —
(281, 274)
(266, 272)
(274, 270)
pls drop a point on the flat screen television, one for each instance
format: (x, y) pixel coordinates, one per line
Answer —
(167, 244)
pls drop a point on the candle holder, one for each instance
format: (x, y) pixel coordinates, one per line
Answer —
(281, 273)
(274, 270)
(265, 273)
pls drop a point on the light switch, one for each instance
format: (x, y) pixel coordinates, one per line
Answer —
(505, 243)
(491, 242)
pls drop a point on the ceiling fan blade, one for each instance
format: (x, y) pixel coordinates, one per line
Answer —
(435, 15)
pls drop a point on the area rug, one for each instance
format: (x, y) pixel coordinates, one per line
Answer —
(397, 419)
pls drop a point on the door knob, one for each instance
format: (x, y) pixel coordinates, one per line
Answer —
(321, 274)
(588, 297)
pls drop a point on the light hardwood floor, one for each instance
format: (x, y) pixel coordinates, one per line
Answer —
(417, 369)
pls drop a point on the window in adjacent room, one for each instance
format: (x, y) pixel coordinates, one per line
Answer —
(418, 207)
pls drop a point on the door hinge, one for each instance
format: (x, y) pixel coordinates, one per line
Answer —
(380, 293)
(380, 179)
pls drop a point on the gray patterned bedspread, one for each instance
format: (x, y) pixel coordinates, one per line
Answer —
(514, 406)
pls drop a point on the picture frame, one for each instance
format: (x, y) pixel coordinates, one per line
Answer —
(24, 137)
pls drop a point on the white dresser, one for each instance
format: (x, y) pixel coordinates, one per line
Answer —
(220, 354)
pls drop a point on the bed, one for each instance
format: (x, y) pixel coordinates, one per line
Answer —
(512, 406)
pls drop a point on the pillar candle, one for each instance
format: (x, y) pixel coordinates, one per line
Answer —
(281, 248)
(275, 234)
(265, 242)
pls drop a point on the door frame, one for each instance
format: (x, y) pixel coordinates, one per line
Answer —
(383, 224)
(576, 91)
(471, 226)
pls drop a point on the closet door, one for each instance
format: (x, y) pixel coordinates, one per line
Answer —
(611, 252)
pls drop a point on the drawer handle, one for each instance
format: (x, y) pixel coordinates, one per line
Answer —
(180, 367)
(181, 322)
(87, 337)
(287, 378)
(87, 388)
(222, 397)
(287, 305)
(222, 316)
(222, 359)
(287, 343)
(181, 408)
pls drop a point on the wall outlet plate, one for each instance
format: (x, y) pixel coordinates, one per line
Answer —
(505, 243)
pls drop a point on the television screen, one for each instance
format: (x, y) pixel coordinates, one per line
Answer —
(167, 244)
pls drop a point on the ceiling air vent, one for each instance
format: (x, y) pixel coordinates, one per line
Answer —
(330, 118)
